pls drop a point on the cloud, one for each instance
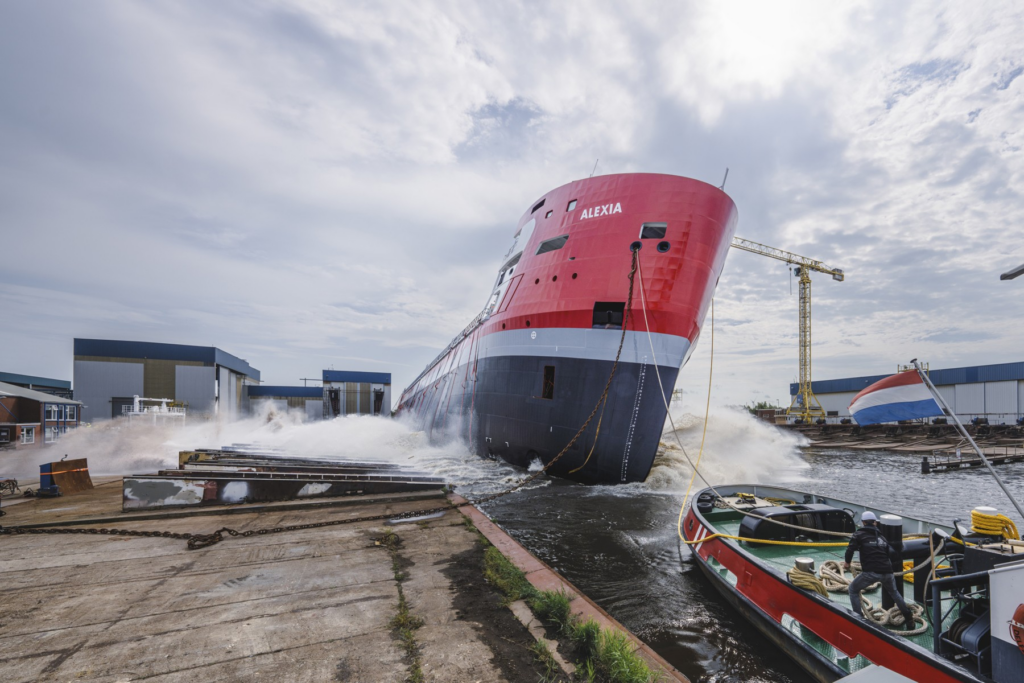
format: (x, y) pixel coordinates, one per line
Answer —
(312, 183)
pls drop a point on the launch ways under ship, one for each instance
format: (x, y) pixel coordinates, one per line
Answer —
(522, 378)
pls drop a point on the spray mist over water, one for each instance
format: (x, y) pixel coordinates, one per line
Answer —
(116, 447)
(739, 449)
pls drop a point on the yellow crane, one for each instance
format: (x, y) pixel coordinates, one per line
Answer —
(805, 404)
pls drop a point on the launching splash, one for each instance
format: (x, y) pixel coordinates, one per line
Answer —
(523, 376)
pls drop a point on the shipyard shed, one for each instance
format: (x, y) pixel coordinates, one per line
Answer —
(306, 399)
(347, 392)
(205, 379)
(47, 385)
(994, 392)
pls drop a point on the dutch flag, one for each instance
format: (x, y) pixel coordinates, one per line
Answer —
(900, 397)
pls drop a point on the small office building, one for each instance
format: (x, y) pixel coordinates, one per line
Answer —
(31, 419)
(356, 393)
(306, 399)
(205, 380)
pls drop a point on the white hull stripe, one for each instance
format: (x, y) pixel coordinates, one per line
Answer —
(586, 344)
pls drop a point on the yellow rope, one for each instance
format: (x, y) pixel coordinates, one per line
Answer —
(993, 525)
(707, 411)
(763, 540)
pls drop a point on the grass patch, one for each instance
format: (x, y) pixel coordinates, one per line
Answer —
(543, 655)
(506, 577)
(554, 608)
(585, 637)
(618, 661)
(603, 656)
(404, 624)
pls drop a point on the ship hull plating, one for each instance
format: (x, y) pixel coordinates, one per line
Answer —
(521, 379)
(502, 413)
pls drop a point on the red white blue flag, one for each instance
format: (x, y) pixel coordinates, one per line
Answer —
(903, 396)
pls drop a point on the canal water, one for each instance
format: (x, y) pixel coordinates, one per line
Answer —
(619, 544)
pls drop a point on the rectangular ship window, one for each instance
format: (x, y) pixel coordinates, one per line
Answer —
(608, 315)
(653, 231)
(572, 205)
(548, 391)
(553, 244)
(537, 206)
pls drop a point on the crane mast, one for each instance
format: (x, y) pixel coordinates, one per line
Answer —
(805, 404)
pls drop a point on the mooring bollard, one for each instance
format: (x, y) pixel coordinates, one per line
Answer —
(926, 467)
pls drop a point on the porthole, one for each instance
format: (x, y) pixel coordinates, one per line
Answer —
(663, 247)
(527, 323)
(503, 326)
(574, 276)
(554, 278)
(537, 281)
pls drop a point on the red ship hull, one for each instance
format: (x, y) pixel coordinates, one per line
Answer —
(523, 377)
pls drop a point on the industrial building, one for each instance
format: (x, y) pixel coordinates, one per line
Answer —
(57, 387)
(31, 419)
(356, 393)
(307, 399)
(995, 392)
(108, 374)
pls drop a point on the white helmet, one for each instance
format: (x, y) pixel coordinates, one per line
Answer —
(868, 516)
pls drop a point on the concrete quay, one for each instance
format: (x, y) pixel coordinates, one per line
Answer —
(310, 605)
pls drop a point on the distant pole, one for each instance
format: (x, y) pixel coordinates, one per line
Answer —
(595, 167)
(963, 431)
(1013, 272)
(722, 186)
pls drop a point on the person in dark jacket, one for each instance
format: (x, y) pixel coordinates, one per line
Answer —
(876, 566)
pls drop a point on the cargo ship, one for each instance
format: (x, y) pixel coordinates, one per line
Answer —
(521, 379)
(963, 581)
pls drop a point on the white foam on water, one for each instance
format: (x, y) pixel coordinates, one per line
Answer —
(739, 448)
(116, 447)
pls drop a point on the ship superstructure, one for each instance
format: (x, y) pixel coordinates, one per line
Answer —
(522, 377)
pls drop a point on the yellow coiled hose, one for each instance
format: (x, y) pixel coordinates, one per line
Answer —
(994, 525)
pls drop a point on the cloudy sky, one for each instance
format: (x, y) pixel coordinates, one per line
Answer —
(315, 183)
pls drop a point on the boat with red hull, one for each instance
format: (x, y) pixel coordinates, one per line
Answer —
(967, 628)
(521, 379)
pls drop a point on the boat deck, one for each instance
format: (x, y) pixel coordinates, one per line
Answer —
(782, 559)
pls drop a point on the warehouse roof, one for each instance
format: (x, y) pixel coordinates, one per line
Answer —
(285, 392)
(21, 392)
(1000, 372)
(14, 378)
(210, 355)
(350, 376)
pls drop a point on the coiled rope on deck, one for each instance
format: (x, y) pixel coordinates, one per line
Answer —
(994, 525)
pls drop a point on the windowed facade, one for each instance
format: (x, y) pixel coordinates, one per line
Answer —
(52, 412)
(548, 388)
(72, 413)
(553, 244)
(50, 435)
(5, 434)
(28, 435)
